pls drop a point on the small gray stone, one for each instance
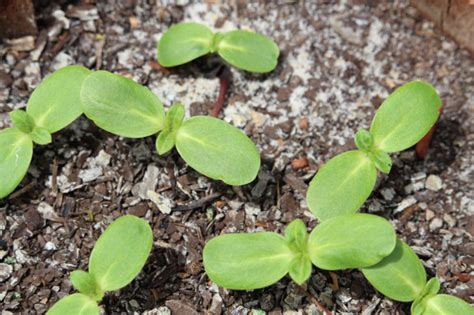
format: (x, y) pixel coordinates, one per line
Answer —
(435, 224)
(434, 183)
(5, 271)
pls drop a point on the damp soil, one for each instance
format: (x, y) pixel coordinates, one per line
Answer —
(338, 62)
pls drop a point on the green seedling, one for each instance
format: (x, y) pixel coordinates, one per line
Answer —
(209, 145)
(117, 258)
(246, 261)
(402, 277)
(243, 49)
(53, 105)
(345, 182)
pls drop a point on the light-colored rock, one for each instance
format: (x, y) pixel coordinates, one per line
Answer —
(251, 209)
(5, 271)
(429, 214)
(435, 224)
(163, 203)
(405, 203)
(434, 183)
(149, 182)
(388, 193)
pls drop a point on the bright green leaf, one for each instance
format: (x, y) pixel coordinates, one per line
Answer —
(363, 140)
(41, 136)
(351, 241)
(184, 42)
(120, 252)
(75, 304)
(342, 185)
(247, 261)
(249, 51)
(121, 106)
(55, 103)
(400, 276)
(300, 269)
(218, 150)
(15, 158)
(443, 304)
(167, 138)
(431, 289)
(296, 236)
(85, 283)
(405, 116)
(382, 161)
(22, 120)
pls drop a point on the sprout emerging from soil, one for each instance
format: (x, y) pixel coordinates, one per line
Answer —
(245, 50)
(116, 259)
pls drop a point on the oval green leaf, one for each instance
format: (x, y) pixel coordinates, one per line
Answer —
(75, 304)
(351, 241)
(405, 116)
(249, 51)
(443, 304)
(167, 138)
(218, 150)
(120, 252)
(22, 120)
(121, 106)
(342, 185)
(15, 158)
(85, 283)
(399, 276)
(247, 261)
(56, 103)
(184, 42)
(41, 136)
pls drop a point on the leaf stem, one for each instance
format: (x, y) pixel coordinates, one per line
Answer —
(423, 145)
(225, 78)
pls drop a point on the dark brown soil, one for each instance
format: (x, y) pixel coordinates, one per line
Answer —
(338, 62)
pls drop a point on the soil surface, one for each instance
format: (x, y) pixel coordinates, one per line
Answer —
(338, 62)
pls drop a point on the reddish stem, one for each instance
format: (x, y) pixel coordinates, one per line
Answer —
(424, 144)
(224, 81)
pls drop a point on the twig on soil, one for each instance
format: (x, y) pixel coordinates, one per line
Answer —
(98, 53)
(171, 175)
(314, 300)
(335, 282)
(225, 77)
(54, 180)
(23, 190)
(424, 144)
(198, 203)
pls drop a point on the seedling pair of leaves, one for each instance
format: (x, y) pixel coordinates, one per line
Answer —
(116, 259)
(345, 182)
(209, 145)
(402, 277)
(247, 261)
(53, 105)
(245, 50)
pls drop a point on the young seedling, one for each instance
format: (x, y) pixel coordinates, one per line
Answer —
(117, 258)
(402, 277)
(53, 105)
(245, 50)
(247, 261)
(345, 182)
(209, 145)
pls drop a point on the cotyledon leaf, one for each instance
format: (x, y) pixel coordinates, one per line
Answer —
(167, 137)
(443, 304)
(16, 150)
(120, 252)
(121, 106)
(248, 51)
(75, 304)
(405, 116)
(56, 102)
(342, 185)
(247, 261)
(351, 241)
(184, 42)
(399, 276)
(218, 150)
